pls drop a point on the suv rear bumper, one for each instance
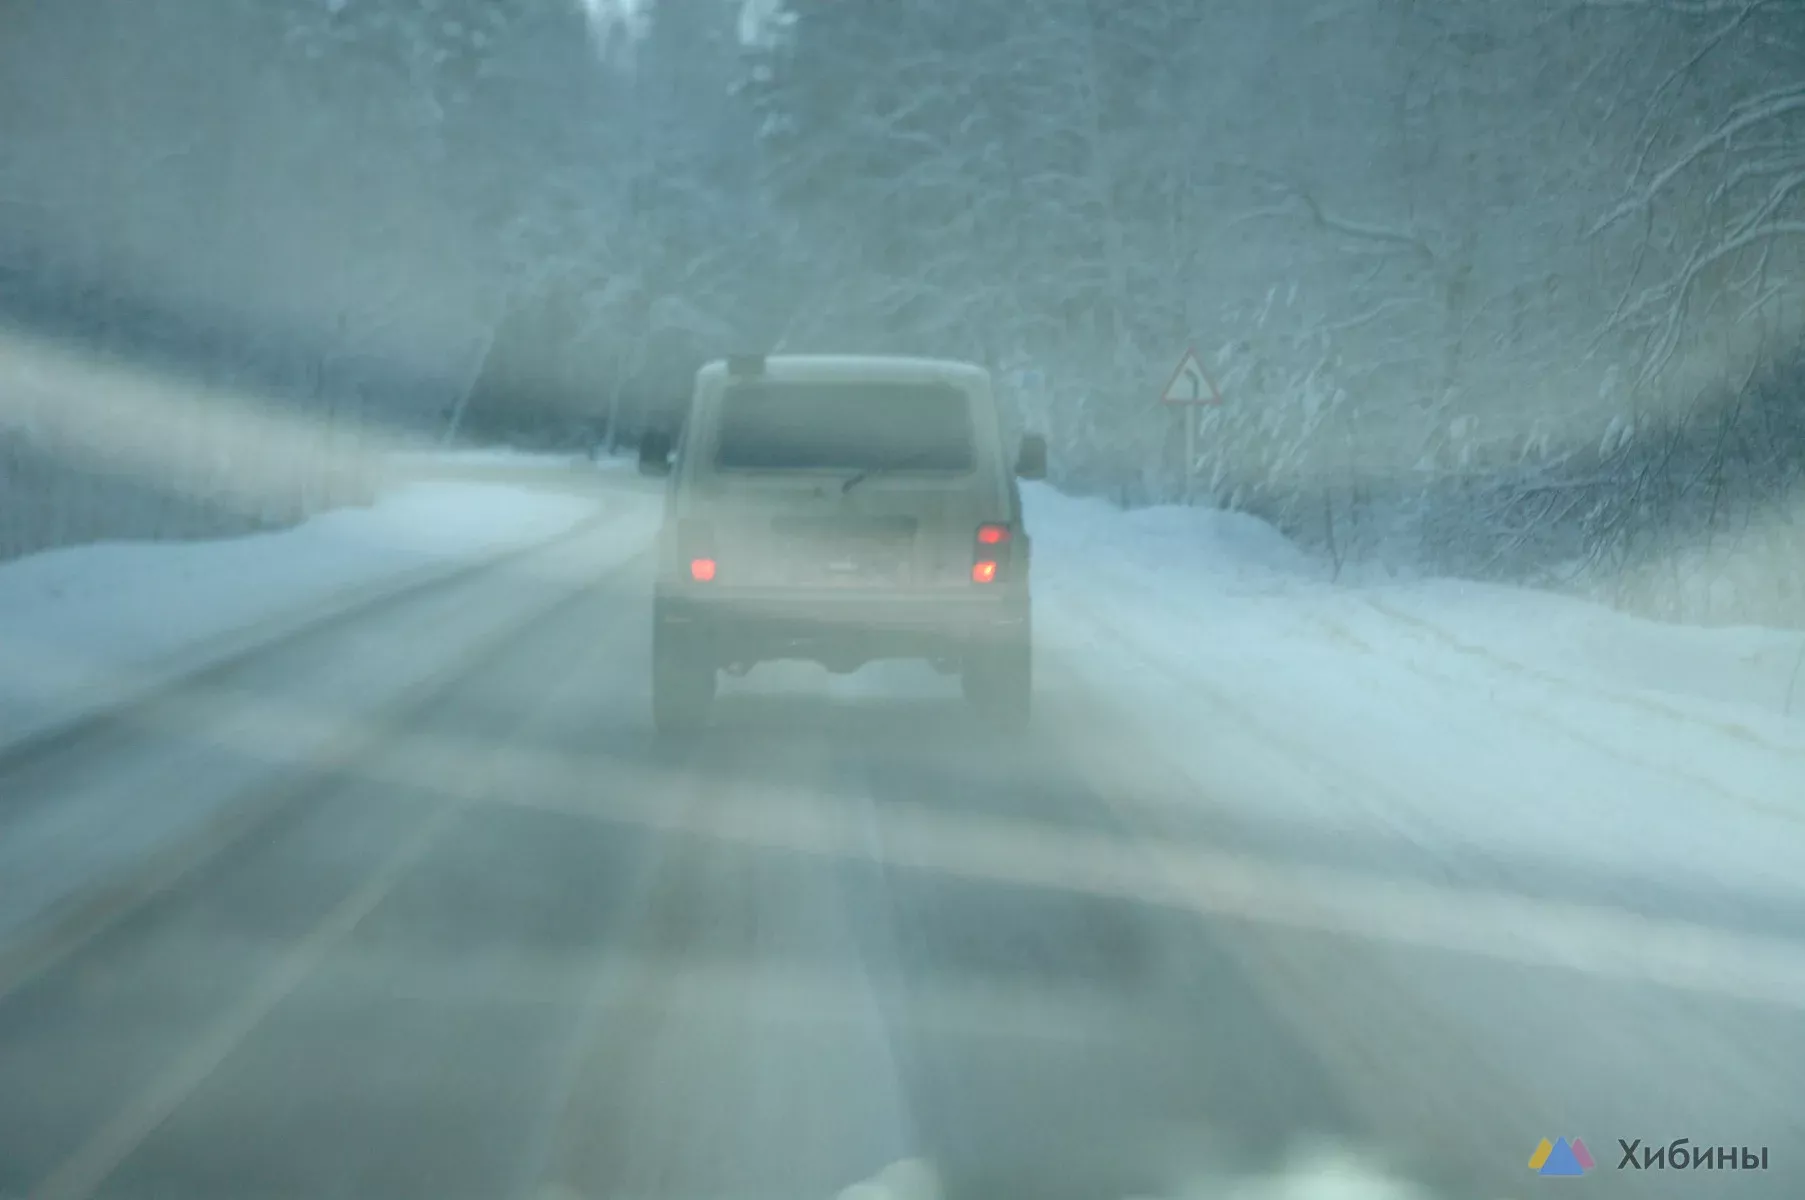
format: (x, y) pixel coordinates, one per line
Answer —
(840, 630)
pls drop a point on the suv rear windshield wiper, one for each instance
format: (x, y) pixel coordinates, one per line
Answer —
(899, 464)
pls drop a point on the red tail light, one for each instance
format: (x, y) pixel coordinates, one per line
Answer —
(992, 547)
(695, 546)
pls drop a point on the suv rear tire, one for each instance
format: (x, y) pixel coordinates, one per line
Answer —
(683, 684)
(999, 682)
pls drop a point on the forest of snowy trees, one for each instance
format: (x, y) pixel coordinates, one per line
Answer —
(1499, 289)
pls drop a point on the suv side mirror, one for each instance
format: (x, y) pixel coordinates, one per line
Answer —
(655, 453)
(1031, 459)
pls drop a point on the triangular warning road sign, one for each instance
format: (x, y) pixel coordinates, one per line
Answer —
(1191, 384)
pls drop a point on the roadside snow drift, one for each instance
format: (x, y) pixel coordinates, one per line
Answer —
(75, 621)
(1452, 716)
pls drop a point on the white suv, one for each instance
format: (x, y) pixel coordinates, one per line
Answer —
(841, 510)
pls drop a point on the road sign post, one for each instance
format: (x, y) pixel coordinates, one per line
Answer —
(1190, 455)
(1192, 387)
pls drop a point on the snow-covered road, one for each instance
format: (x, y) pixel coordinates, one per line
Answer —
(1423, 868)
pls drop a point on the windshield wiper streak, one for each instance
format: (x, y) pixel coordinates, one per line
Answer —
(908, 460)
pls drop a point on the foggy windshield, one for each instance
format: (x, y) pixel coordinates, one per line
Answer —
(1297, 674)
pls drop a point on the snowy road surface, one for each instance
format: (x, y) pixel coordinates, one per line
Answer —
(1430, 874)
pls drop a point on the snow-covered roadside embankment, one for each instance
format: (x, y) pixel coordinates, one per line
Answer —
(82, 626)
(1462, 718)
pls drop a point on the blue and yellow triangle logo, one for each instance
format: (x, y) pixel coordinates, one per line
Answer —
(1561, 1157)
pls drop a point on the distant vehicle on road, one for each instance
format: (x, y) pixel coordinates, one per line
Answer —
(842, 510)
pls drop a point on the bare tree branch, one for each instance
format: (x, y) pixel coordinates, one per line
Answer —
(1753, 112)
(1689, 8)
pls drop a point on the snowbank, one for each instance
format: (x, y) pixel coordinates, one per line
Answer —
(501, 457)
(1587, 644)
(1446, 715)
(1170, 542)
(76, 622)
(507, 458)
(1754, 576)
(1202, 553)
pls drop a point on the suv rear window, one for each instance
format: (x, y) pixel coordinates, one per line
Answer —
(844, 426)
